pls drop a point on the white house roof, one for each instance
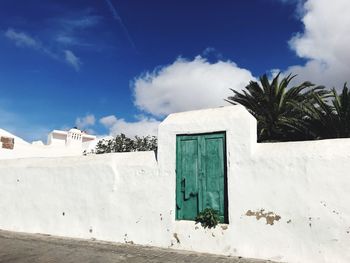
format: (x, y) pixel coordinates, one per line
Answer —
(8, 134)
(59, 132)
(85, 135)
(88, 136)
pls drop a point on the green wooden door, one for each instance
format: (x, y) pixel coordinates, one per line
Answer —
(200, 175)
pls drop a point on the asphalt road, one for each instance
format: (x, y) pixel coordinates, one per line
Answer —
(30, 248)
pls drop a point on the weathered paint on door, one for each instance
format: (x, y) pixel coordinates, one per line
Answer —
(200, 175)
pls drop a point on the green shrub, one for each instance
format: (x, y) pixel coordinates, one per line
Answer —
(208, 218)
(121, 143)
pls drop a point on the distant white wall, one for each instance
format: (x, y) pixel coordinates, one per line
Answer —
(60, 143)
(288, 202)
(56, 139)
(36, 150)
(57, 147)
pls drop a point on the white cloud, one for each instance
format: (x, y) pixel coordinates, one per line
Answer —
(187, 85)
(69, 40)
(211, 52)
(82, 22)
(325, 43)
(70, 28)
(66, 40)
(143, 127)
(84, 122)
(21, 39)
(72, 59)
(109, 121)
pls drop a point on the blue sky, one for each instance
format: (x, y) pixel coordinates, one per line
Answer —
(113, 66)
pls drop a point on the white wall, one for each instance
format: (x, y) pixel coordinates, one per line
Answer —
(56, 139)
(131, 197)
(102, 196)
(36, 150)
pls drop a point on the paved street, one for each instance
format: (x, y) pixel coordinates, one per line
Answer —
(25, 248)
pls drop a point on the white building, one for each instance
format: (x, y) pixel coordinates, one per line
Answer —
(72, 138)
(59, 143)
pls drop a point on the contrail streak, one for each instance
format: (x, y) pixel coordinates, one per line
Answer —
(119, 19)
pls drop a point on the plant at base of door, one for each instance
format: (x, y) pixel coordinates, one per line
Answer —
(208, 218)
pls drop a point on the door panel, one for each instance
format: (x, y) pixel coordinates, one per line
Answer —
(215, 172)
(200, 175)
(187, 179)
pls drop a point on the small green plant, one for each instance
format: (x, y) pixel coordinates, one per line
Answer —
(208, 218)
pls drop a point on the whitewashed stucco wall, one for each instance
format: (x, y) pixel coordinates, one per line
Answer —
(115, 197)
(31, 151)
(130, 197)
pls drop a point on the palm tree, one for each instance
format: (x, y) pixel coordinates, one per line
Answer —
(324, 119)
(271, 103)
